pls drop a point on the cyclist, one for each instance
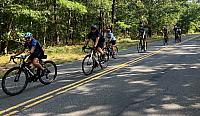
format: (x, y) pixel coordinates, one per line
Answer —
(35, 49)
(97, 39)
(142, 35)
(177, 31)
(111, 39)
(165, 34)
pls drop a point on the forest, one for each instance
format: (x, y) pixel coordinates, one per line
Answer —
(67, 22)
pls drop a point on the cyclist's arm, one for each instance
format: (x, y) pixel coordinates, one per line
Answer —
(96, 42)
(32, 50)
(86, 42)
(20, 52)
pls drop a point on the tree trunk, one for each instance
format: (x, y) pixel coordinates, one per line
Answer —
(113, 14)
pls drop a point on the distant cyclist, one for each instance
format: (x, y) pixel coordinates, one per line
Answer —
(165, 34)
(35, 50)
(177, 31)
(142, 33)
(111, 39)
(97, 39)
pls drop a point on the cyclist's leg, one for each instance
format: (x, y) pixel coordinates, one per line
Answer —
(113, 44)
(100, 48)
(36, 63)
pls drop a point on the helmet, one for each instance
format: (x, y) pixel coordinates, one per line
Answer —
(28, 35)
(93, 27)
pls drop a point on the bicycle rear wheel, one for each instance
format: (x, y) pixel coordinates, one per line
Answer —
(115, 52)
(107, 51)
(88, 65)
(49, 74)
(145, 46)
(14, 81)
(104, 61)
(139, 47)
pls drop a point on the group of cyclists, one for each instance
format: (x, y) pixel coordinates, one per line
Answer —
(177, 32)
(36, 51)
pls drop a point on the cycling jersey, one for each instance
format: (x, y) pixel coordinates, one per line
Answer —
(38, 49)
(177, 30)
(94, 35)
(110, 36)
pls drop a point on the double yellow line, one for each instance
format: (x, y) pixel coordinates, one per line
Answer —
(34, 101)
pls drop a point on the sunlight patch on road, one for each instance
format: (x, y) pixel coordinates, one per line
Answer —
(196, 105)
(172, 106)
(95, 110)
(151, 110)
(39, 114)
(84, 89)
(143, 82)
(168, 98)
(142, 69)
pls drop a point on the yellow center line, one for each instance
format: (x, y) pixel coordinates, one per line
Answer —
(81, 82)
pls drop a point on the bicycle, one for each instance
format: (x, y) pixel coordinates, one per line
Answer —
(21, 75)
(110, 51)
(177, 38)
(142, 45)
(93, 60)
(165, 40)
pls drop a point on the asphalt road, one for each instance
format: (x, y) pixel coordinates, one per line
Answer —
(163, 81)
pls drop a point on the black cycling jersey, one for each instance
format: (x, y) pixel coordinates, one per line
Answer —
(94, 35)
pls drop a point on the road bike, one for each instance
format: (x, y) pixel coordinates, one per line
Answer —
(93, 60)
(142, 45)
(165, 40)
(16, 79)
(110, 51)
(177, 38)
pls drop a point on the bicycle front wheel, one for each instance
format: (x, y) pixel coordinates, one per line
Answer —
(14, 81)
(50, 73)
(88, 65)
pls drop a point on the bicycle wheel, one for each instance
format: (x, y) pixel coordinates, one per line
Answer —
(145, 46)
(88, 65)
(14, 81)
(49, 74)
(115, 52)
(104, 61)
(139, 47)
(107, 51)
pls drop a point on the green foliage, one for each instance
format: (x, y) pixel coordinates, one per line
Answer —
(56, 22)
(75, 6)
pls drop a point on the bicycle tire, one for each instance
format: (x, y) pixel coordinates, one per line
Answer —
(104, 61)
(92, 67)
(114, 55)
(4, 88)
(54, 67)
(139, 47)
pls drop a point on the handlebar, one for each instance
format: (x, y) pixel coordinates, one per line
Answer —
(88, 47)
(23, 57)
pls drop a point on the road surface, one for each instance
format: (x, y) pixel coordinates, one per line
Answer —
(163, 81)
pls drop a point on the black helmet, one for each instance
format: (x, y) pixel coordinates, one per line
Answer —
(93, 27)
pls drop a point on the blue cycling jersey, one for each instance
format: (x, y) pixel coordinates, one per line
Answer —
(110, 36)
(34, 43)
